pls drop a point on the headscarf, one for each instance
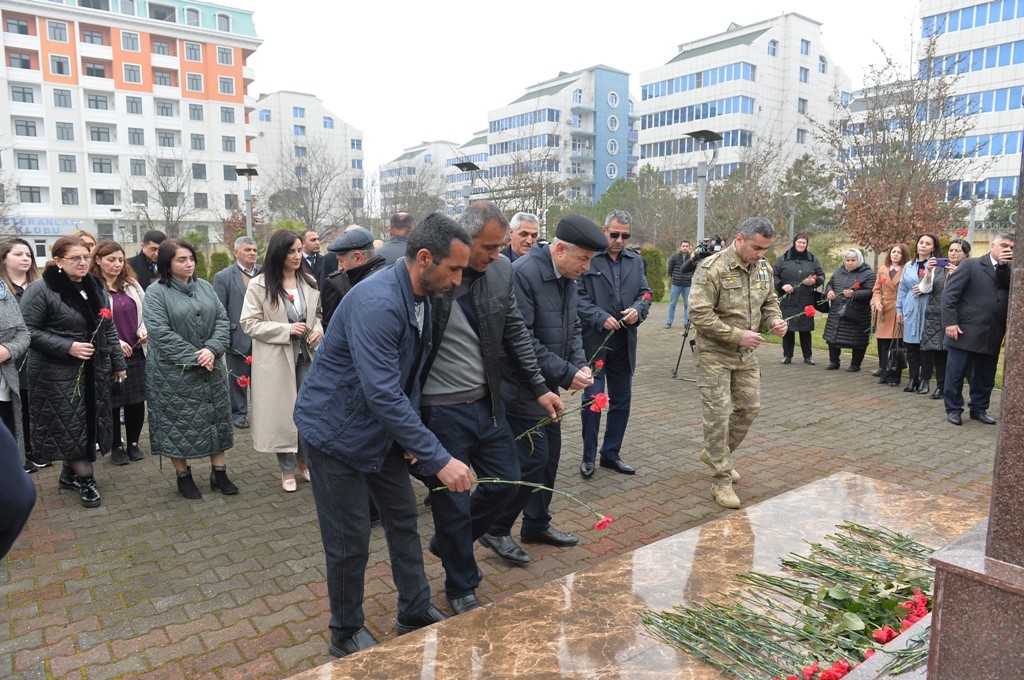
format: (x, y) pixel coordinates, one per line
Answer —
(793, 254)
(856, 253)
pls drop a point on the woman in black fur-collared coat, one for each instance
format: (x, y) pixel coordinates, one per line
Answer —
(74, 355)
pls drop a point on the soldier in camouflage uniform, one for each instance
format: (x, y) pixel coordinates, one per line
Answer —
(732, 302)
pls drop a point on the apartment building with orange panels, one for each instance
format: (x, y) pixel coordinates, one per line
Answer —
(123, 115)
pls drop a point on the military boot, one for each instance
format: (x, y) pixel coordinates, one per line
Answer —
(725, 496)
(706, 459)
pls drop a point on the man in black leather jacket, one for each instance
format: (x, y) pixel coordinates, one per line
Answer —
(473, 325)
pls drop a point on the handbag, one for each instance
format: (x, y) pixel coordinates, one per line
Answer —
(821, 303)
(896, 359)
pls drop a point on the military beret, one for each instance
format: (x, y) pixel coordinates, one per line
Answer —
(357, 239)
(580, 231)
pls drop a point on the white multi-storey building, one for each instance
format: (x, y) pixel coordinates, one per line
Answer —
(121, 115)
(758, 86)
(416, 180)
(305, 149)
(982, 44)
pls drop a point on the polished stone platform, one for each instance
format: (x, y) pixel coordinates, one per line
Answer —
(587, 624)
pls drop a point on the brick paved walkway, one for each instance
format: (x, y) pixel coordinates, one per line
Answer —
(233, 587)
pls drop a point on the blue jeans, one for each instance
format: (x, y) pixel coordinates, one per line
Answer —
(982, 375)
(471, 434)
(676, 291)
(539, 465)
(620, 393)
(342, 497)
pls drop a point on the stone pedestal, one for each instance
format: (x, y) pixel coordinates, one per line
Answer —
(978, 621)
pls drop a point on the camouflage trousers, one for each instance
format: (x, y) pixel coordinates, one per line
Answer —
(730, 393)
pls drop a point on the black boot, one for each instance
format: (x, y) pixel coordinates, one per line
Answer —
(67, 478)
(134, 452)
(925, 388)
(219, 480)
(937, 394)
(912, 385)
(119, 456)
(88, 492)
(187, 486)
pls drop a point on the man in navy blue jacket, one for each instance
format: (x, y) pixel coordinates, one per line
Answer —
(358, 412)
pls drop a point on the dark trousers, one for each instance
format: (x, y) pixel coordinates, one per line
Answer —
(342, 497)
(933, 360)
(471, 434)
(238, 368)
(884, 345)
(134, 416)
(834, 352)
(17, 492)
(619, 379)
(537, 464)
(981, 372)
(913, 360)
(789, 344)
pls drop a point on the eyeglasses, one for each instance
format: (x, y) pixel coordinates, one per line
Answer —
(78, 258)
(624, 235)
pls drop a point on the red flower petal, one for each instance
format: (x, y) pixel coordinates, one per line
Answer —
(809, 671)
(603, 523)
(248, 360)
(243, 381)
(106, 313)
(868, 653)
(809, 310)
(647, 296)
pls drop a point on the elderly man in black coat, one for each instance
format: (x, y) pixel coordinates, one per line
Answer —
(974, 310)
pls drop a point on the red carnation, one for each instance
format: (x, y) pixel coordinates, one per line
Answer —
(600, 402)
(868, 653)
(603, 522)
(106, 313)
(291, 298)
(599, 364)
(243, 381)
(810, 671)
(809, 310)
(647, 296)
(248, 360)
(856, 285)
(882, 281)
(884, 635)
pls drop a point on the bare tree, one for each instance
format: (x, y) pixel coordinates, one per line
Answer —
(314, 188)
(536, 173)
(166, 193)
(9, 199)
(418, 193)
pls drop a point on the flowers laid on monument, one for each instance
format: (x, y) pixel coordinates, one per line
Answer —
(104, 315)
(603, 521)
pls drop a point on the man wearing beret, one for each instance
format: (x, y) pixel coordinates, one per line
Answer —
(546, 297)
(356, 261)
(614, 299)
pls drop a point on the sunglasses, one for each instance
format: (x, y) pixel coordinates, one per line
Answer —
(624, 235)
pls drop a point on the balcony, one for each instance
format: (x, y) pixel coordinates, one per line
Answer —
(248, 74)
(583, 107)
(104, 180)
(166, 62)
(23, 109)
(166, 92)
(24, 75)
(633, 136)
(250, 131)
(93, 83)
(96, 52)
(21, 42)
(582, 132)
(581, 177)
(582, 155)
(249, 102)
(633, 160)
(104, 116)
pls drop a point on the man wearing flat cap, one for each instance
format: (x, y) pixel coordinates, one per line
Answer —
(545, 292)
(356, 261)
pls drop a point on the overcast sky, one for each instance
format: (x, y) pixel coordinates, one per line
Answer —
(405, 72)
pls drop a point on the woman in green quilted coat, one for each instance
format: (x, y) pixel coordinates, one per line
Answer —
(186, 381)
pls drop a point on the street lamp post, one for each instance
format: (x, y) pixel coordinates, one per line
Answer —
(138, 212)
(248, 172)
(468, 166)
(710, 140)
(117, 221)
(790, 197)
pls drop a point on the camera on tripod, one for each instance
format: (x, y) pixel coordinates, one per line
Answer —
(708, 246)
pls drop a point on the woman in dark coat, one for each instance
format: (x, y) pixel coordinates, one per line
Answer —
(849, 317)
(74, 356)
(933, 335)
(186, 381)
(797, 274)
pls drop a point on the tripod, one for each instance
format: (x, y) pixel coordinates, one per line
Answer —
(693, 342)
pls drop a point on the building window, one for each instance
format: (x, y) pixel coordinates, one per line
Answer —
(193, 51)
(95, 70)
(801, 106)
(161, 12)
(229, 173)
(192, 17)
(165, 139)
(140, 197)
(357, 163)
(67, 163)
(264, 115)
(103, 196)
(822, 65)
(844, 98)
(30, 194)
(137, 167)
(357, 183)
(68, 196)
(99, 133)
(299, 130)
(200, 201)
(132, 73)
(62, 99)
(356, 144)
(130, 42)
(227, 144)
(97, 101)
(801, 136)
(613, 147)
(133, 105)
(128, 7)
(18, 26)
(25, 128)
(227, 114)
(136, 137)
(66, 132)
(103, 166)
(225, 56)
(57, 31)
(577, 96)
(301, 172)
(613, 123)
(328, 122)
(195, 111)
(198, 142)
(199, 171)
(611, 170)
(226, 85)
(298, 112)
(59, 66)
(805, 47)
(804, 75)
(166, 168)
(28, 161)
(230, 201)
(21, 60)
(223, 22)
(162, 78)
(194, 82)
(613, 99)
(92, 37)
(161, 47)
(300, 152)
(773, 48)
(20, 93)
(165, 109)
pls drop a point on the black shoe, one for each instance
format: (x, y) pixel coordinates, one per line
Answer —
(187, 486)
(809, 361)
(892, 383)
(219, 480)
(432, 615)
(587, 469)
(505, 548)
(787, 360)
(67, 479)
(88, 492)
(954, 418)
(877, 374)
(620, 466)
(668, 325)
(925, 387)
(135, 453)
(912, 386)
(31, 464)
(362, 639)
(832, 366)
(119, 457)
(983, 418)
(853, 369)
(466, 603)
(241, 423)
(937, 394)
(550, 537)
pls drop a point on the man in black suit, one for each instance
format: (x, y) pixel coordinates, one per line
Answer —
(398, 229)
(974, 310)
(312, 261)
(144, 264)
(230, 285)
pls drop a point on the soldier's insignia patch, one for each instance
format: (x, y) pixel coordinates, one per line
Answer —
(700, 278)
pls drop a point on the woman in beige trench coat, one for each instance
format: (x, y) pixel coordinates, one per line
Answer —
(281, 313)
